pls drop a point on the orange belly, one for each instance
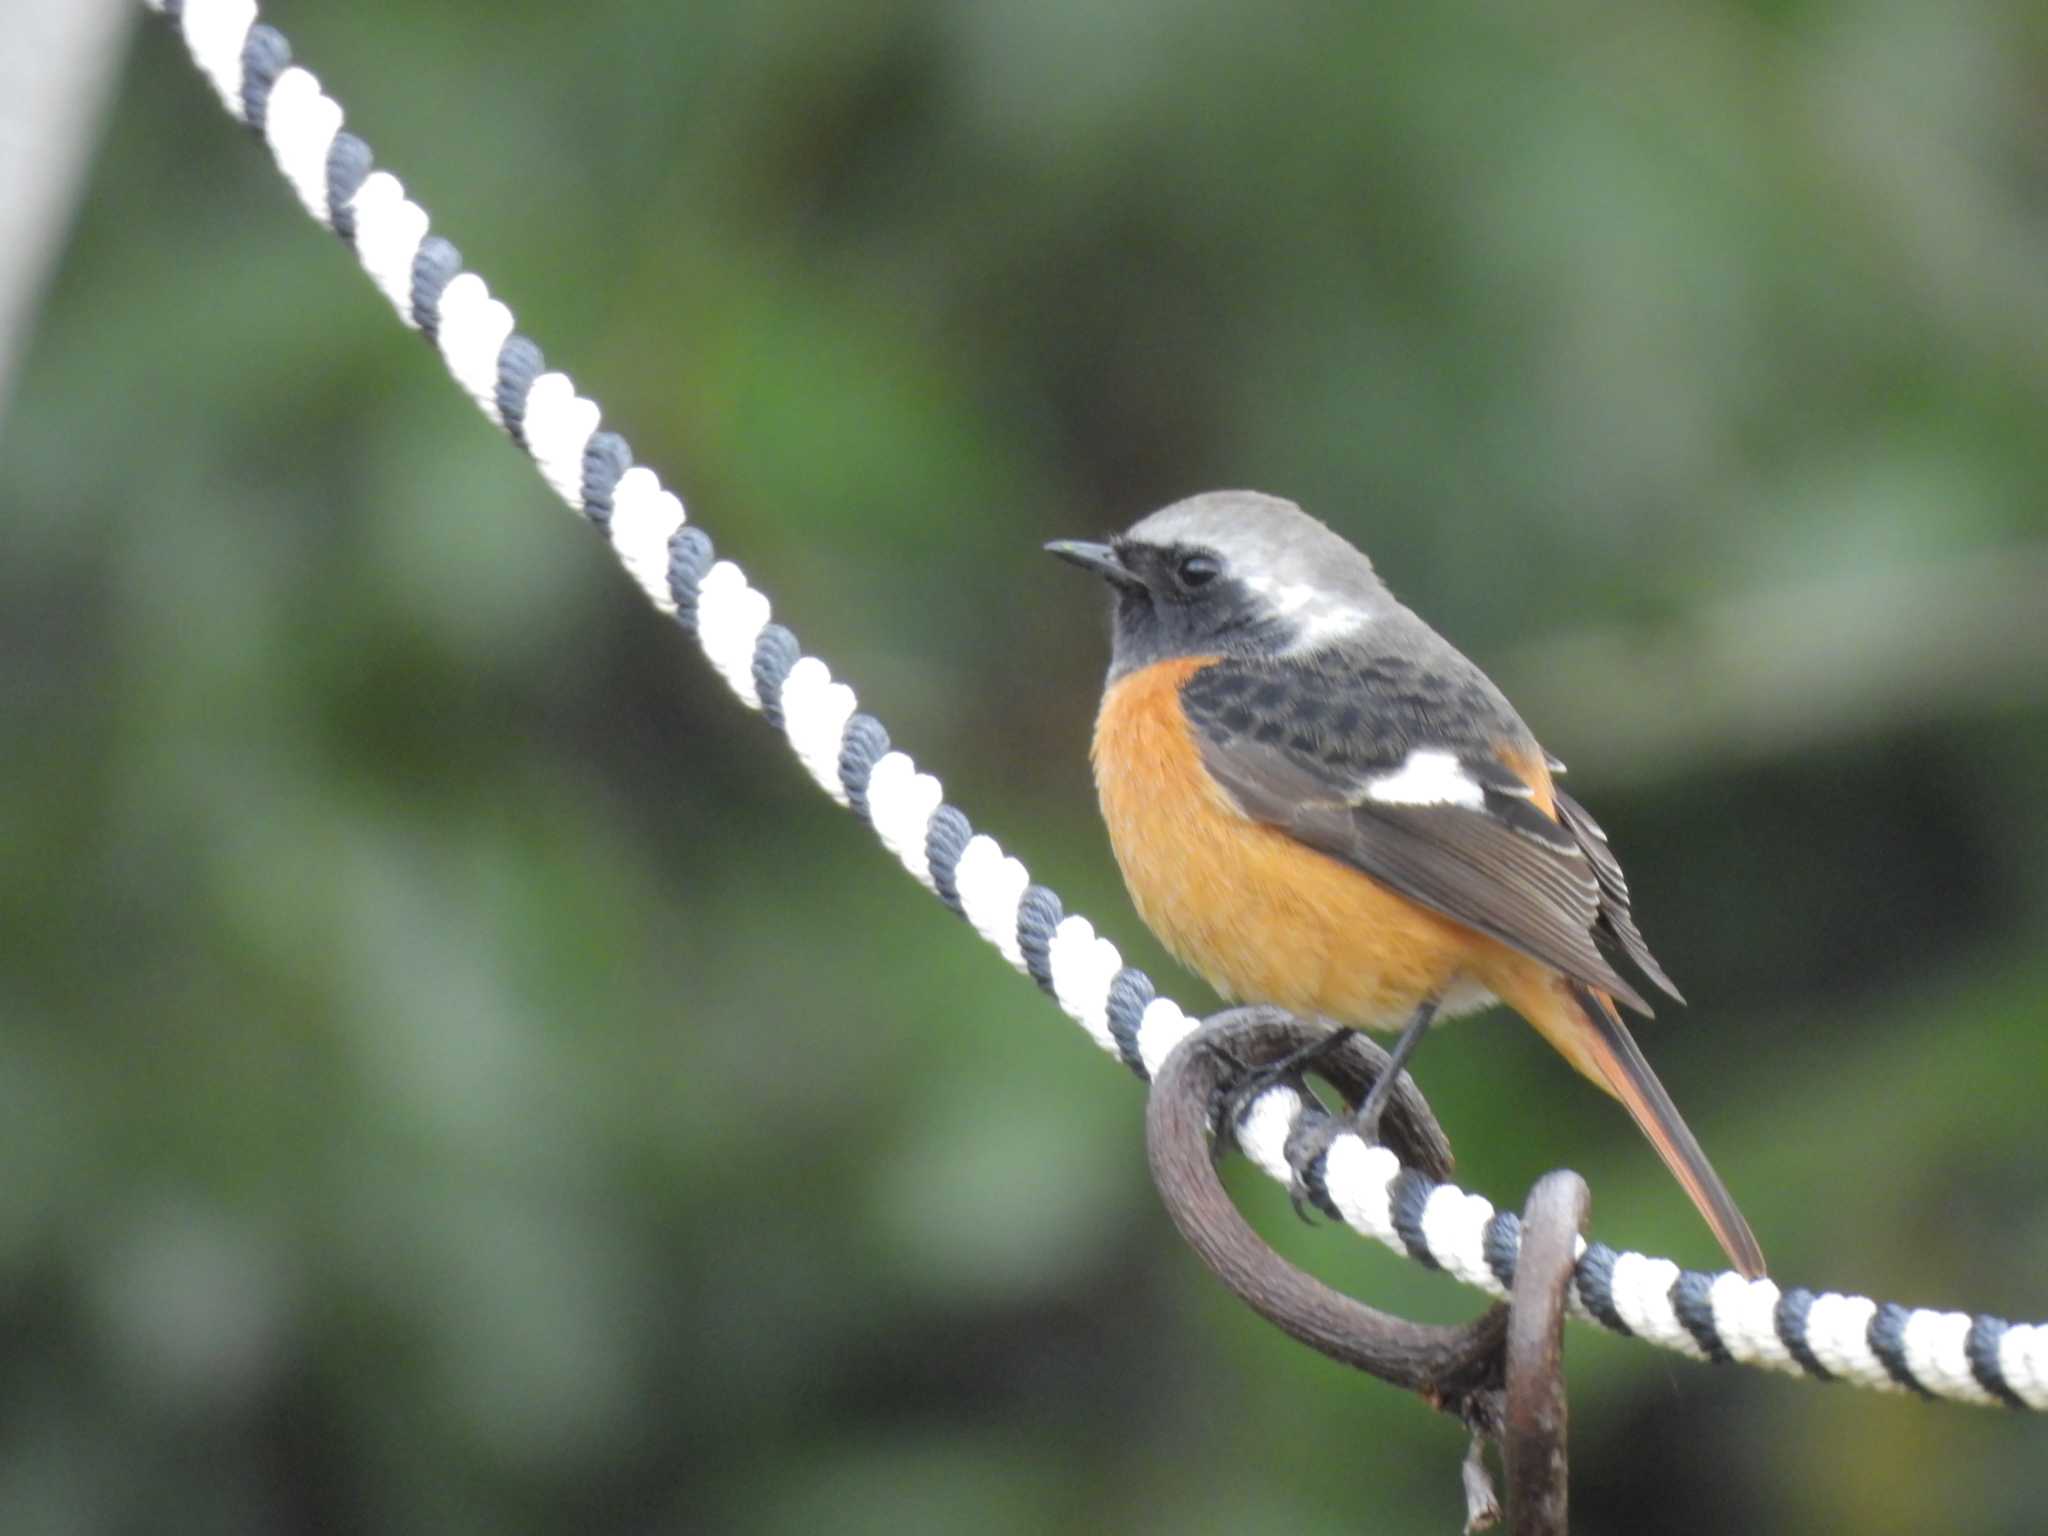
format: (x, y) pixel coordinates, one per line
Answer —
(1259, 916)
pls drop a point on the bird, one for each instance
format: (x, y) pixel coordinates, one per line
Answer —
(1318, 802)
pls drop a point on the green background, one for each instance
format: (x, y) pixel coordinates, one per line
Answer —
(456, 1072)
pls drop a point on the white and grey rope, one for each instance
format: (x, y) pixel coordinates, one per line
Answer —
(1721, 1317)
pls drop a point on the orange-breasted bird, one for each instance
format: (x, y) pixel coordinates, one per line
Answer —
(1318, 802)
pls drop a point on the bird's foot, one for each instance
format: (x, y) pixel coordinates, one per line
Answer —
(1237, 1095)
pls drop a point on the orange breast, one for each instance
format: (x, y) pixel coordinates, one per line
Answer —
(1260, 917)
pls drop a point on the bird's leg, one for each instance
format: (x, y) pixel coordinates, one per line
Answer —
(1365, 1120)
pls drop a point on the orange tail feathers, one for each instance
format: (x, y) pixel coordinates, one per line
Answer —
(1583, 1025)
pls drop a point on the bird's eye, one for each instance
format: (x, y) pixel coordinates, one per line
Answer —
(1197, 571)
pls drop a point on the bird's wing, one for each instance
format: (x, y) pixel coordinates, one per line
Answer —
(1614, 913)
(1405, 774)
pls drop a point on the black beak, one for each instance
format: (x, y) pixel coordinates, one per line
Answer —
(1099, 558)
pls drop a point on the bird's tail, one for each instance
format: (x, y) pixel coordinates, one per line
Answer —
(1585, 1028)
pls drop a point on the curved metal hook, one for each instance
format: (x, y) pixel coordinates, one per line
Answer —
(1456, 1369)
(1500, 1374)
(1533, 1436)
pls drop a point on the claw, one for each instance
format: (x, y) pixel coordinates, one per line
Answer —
(1242, 1090)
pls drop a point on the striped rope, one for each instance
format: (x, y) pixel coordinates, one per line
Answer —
(1709, 1316)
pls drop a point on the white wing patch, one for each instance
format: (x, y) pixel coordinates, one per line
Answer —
(1427, 778)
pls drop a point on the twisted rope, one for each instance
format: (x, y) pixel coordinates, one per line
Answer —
(1827, 1336)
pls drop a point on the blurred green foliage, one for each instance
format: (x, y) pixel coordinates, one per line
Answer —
(457, 1075)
